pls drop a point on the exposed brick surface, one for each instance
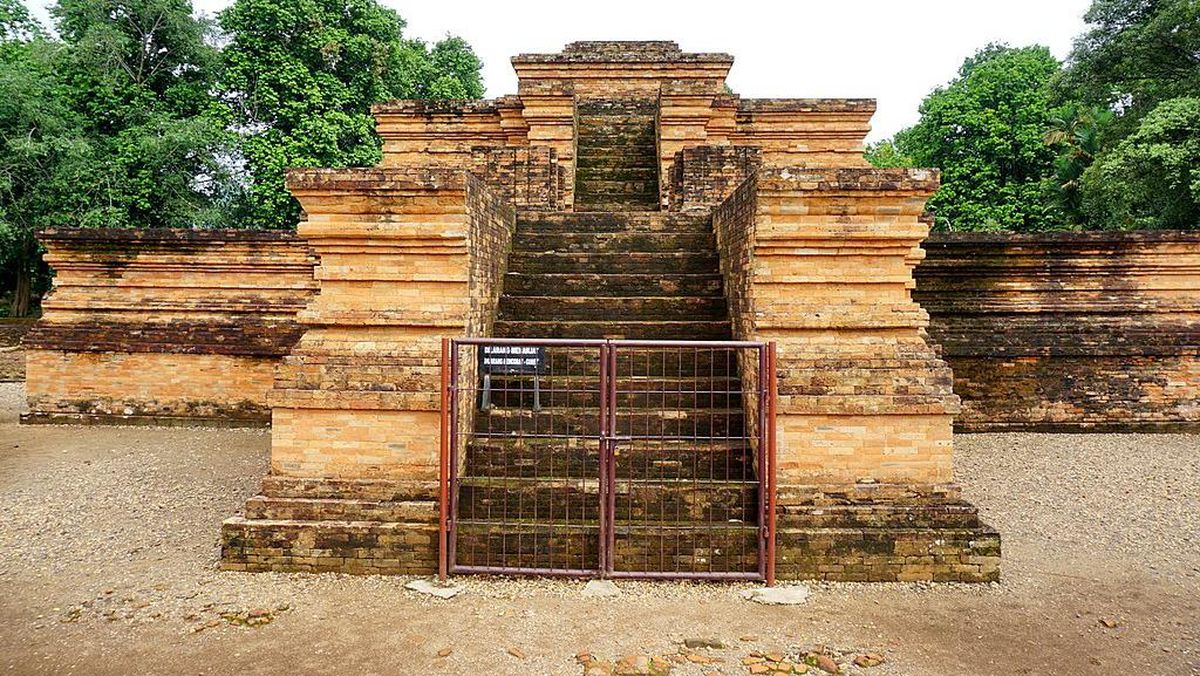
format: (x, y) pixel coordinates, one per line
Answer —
(1076, 332)
(704, 176)
(165, 325)
(12, 357)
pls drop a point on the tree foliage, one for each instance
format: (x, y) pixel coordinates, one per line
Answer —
(140, 114)
(1135, 55)
(43, 158)
(301, 77)
(1105, 142)
(885, 155)
(985, 130)
(1077, 134)
(1151, 179)
(139, 74)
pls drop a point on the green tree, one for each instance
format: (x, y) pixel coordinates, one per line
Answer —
(1151, 179)
(301, 76)
(140, 76)
(17, 25)
(42, 155)
(1135, 55)
(985, 130)
(1077, 133)
(885, 155)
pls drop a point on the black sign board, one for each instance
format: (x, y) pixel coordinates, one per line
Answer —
(512, 359)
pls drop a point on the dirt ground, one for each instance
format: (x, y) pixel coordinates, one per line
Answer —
(109, 546)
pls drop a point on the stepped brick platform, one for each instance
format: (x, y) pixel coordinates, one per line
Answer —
(622, 193)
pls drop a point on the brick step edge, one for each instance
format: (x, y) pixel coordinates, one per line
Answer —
(969, 555)
(264, 508)
(355, 547)
(227, 421)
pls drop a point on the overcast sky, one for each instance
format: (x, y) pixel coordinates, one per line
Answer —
(889, 50)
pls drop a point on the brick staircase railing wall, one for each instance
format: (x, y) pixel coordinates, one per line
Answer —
(1068, 332)
(165, 325)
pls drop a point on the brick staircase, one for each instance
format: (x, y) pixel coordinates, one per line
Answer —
(686, 495)
(616, 166)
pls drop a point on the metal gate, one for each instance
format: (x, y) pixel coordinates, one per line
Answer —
(650, 459)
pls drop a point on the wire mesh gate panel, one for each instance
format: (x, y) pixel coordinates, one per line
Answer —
(607, 458)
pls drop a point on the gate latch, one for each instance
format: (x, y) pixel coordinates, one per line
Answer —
(614, 439)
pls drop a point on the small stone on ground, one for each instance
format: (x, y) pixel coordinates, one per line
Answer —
(791, 595)
(600, 589)
(434, 589)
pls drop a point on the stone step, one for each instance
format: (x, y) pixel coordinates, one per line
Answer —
(528, 241)
(603, 158)
(624, 106)
(680, 502)
(614, 123)
(528, 545)
(627, 148)
(579, 458)
(308, 509)
(729, 548)
(586, 185)
(583, 362)
(595, 178)
(579, 394)
(601, 132)
(616, 330)
(637, 549)
(593, 284)
(634, 262)
(598, 221)
(949, 514)
(605, 203)
(565, 308)
(333, 546)
(652, 423)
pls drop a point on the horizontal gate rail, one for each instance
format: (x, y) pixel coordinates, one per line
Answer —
(616, 458)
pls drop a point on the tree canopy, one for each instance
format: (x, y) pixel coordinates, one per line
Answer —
(986, 130)
(1103, 141)
(1151, 179)
(139, 113)
(301, 78)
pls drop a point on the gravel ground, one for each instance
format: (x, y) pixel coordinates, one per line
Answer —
(109, 548)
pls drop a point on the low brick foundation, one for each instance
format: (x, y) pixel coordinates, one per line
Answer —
(324, 525)
(883, 533)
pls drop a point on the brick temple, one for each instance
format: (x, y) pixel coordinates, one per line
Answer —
(622, 193)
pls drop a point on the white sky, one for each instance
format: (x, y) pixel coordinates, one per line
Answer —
(894, 51)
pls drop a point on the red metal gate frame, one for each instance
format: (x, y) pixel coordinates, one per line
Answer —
(609, 440)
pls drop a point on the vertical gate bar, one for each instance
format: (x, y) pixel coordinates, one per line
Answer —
(764, 484)
(602, 428)
(444, 464)
(773, 389)
(611, 505)
(452, 536)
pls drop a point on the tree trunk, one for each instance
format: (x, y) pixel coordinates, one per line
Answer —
(23, 295)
